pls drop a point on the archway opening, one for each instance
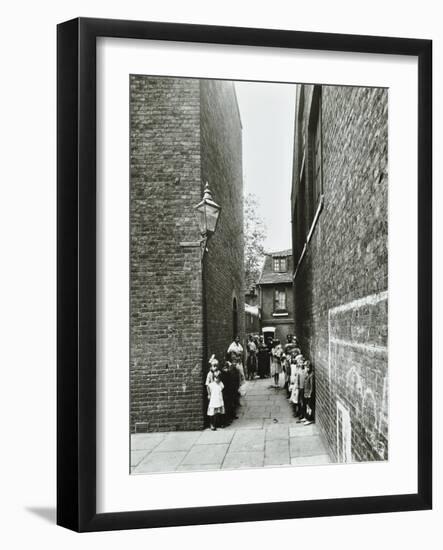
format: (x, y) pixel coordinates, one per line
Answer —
(234, 318)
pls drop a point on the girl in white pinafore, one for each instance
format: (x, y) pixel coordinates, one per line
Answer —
(216, 407)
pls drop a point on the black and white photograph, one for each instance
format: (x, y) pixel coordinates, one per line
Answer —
(258, 274)
(220, 272)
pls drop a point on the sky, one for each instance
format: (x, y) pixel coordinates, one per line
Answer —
(267, 113)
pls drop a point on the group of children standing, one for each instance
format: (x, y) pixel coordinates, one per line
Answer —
(223, 385)
(300, 388)
(298, 378)
(288, 367)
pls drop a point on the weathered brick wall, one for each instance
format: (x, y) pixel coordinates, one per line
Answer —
(341, 286)
(221, 166)
(166, 289)
(183, 132)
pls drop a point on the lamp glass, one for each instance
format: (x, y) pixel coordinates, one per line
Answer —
(207, 215)
(201, 217)
(211, 214)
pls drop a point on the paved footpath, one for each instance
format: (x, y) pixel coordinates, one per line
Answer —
(265, 434)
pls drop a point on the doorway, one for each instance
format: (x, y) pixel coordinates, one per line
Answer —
(344, 433)
(234, 318)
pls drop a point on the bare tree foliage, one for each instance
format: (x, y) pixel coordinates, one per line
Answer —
(255, 234)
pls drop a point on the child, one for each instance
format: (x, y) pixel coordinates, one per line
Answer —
(216, 407)
(276, 359)
(309, 395)
(301, 386)
(213, 370)
(296, 395)
(292, 373)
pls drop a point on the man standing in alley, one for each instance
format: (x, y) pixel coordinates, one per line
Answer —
(252, 358)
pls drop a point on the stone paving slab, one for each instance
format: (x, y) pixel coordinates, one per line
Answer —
(277, 431)
(160, 462)
(146, 441)
(247, 423)
(258, 411)
(248, 440)
(277, 452)
(243, 459)
(178, 441)
(302, 431)
(269, 422)
(252, 415)
(311, 460)
(278, 407)
(256, 401)
(265, 434)
(197, 467)
(136, 457)
(306, 446)
(280, 416)
(209, 437)
(206, 454)
(253, 426)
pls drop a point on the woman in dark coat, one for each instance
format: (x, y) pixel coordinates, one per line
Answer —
(231, 381)
(263, 359)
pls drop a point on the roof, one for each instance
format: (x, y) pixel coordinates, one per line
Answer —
(280, 253)
(270, 277)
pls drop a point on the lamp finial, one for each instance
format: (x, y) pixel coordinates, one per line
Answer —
(207, 193)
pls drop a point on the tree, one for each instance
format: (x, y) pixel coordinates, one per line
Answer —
(255, 234)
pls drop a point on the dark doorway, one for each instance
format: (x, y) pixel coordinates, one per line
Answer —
(234, 318)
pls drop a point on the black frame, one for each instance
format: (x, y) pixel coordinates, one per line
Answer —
(76, 265)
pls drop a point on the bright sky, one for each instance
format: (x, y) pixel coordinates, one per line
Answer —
(267, 113)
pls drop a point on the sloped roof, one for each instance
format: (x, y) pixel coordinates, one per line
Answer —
(269, 276)
(280, 253)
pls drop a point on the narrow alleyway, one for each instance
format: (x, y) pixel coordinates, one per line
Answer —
(265, 434)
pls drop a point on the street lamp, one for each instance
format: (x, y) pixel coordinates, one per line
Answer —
(207, 212)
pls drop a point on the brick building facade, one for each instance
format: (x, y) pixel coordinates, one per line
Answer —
(276, 295)
(184, 132)
(339, 215)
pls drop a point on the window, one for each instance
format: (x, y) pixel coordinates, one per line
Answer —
(280, 265)
(279, 300)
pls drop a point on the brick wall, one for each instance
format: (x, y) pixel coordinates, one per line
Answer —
(166, 308)
(183, 132)
(283, 325)
(221, 166)
(340, 290)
